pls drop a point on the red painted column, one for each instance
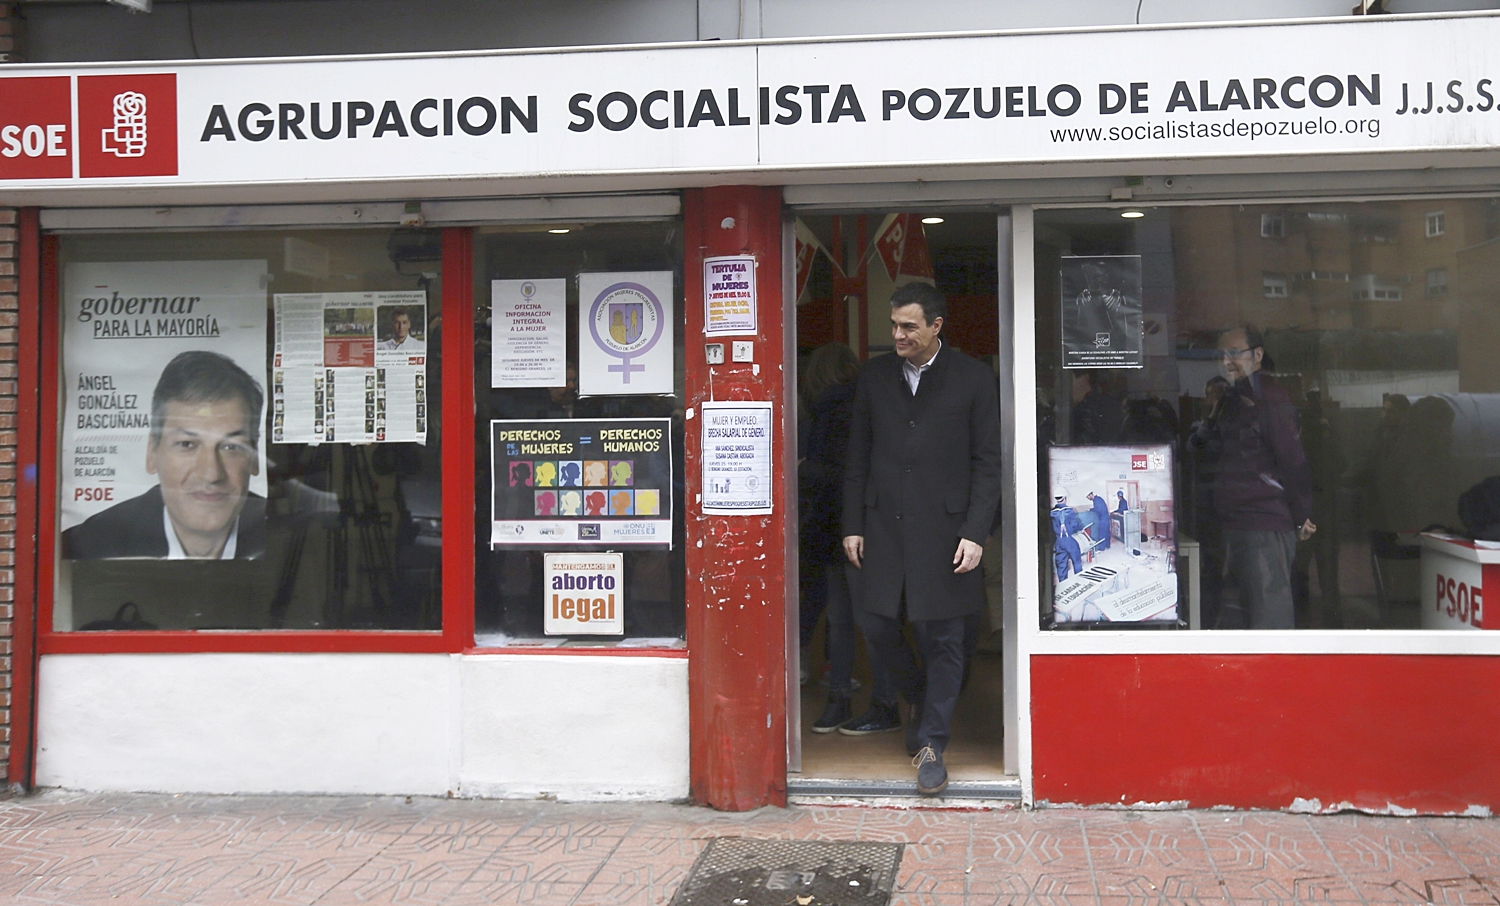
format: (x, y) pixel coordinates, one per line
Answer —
(736, 565)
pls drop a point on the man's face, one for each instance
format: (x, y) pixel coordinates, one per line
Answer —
(204, 460)
(1237, 360)
(401, 324)
(915, 338)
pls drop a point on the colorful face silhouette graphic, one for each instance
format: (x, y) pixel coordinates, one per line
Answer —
(621, 503)
(570, 503)
(546, 503)
(544, 474)
(596, 473)
(569, 474)
(648, 502)
(520, 474)
(593, 503)
(621, 473)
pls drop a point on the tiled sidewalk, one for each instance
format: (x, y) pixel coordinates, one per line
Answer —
(68, 848)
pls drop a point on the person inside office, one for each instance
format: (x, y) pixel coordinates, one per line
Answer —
(921, 487)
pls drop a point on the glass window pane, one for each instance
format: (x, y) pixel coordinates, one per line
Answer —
(510, 601)
(179, 507)
(1323, 378)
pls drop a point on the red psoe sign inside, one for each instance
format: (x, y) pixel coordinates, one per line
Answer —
(127, 125)
(585, 594)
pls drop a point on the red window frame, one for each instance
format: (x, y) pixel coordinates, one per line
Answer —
(39, 330)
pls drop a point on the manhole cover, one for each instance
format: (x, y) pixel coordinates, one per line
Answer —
(737, 871)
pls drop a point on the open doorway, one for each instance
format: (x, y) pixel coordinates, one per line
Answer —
(847, 267)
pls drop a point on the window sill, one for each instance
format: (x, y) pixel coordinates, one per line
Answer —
(244, 641)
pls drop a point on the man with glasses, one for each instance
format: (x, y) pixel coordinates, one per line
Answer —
(1262, 486)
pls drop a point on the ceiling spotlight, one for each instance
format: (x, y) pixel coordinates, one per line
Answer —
(560, 230)
(1132, 214)
(135, 6)
(932, 220)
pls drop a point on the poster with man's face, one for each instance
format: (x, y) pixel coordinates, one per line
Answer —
(163, 448)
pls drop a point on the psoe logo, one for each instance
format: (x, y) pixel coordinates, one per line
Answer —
(129, 134)
(127, 125)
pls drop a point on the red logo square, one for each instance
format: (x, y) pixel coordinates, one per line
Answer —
(127, 125)
(1138, 462)
(36, 128)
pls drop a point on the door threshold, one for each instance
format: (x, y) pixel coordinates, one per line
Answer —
(1003, 790)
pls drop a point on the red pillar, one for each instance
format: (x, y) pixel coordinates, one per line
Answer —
(736, 565)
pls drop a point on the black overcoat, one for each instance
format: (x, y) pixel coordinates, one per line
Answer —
(922, 473)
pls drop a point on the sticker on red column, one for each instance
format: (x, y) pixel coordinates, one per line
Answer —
(127, 125)
(36, 132)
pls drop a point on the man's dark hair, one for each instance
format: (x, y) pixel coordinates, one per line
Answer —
(398, 312)
(199, 377)
(933, 304)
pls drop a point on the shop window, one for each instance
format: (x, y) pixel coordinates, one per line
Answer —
(579, 419)
(1272, 226)
(1437, 281)
(1370, 421)
(1436, 224)
(1273, 286)
(249, 437)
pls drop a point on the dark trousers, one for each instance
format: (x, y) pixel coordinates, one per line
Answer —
(941, 645)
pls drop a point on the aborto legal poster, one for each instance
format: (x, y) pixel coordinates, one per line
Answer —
(1114, 536)
(569, 482)
(1101, 312)
(191, 334)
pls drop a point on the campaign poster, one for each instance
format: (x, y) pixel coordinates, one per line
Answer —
(528, 333)
(349, 368)
(1114, 539)
(571, 482)
(737, 457)
(186, 339)
(729, 308)
(1101, 312)
(625, 334)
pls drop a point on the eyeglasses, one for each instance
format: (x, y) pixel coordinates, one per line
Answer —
(1232, 353)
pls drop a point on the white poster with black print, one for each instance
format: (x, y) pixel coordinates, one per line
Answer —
(349, 368)
(1101, 311)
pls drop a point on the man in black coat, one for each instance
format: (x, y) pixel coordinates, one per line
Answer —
(920, 493)
(203, 449)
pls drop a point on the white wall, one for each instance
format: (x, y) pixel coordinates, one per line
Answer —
(429, 724)
(574, 726)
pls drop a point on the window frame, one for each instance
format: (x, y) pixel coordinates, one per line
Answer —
(40, 330)
(1033, 640)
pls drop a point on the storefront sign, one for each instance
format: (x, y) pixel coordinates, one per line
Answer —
(1376, 84)
(737, 457)
(350, 368)
(164, 365)
(1101, 312)
(625, 334)
(571, 482)
(585, 594)
(729, 308)
(528, 333)
(1113, 532)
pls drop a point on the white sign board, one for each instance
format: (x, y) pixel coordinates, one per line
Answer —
(1368, 84)
(625, 334)
(528, 333)
(179, 329)
(585, 594)
(729, 308)
(737, 457)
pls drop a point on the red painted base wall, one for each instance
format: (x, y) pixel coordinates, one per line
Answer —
(1259, 731)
